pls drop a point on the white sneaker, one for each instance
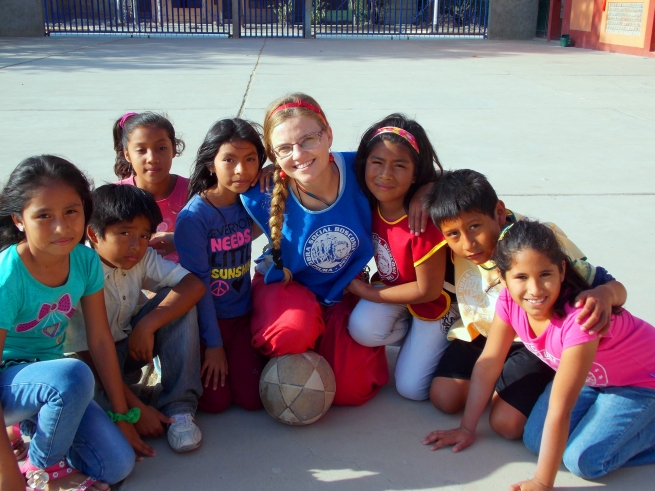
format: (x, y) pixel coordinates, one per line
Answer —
(183, 434)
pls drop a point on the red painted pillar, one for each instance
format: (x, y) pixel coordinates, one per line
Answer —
(554, 20)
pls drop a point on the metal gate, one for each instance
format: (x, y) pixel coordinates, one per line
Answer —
(273, 18)
(400, 18)
(269, 18)
(141, 17)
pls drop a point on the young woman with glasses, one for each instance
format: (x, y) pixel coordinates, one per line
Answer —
(319, 225)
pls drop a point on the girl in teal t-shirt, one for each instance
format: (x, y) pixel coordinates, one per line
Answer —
(44, 273)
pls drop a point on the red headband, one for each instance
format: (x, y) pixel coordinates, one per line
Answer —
(406, 135)
(304, 104)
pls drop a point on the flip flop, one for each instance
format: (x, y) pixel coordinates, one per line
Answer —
(42, 479)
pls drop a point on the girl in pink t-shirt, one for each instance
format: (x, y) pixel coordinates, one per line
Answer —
(599, 412)
(145, 145)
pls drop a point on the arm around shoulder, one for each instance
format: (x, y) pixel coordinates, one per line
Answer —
(597, 305)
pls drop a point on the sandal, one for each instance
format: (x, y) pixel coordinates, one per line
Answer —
(38, 479)
(18, 445)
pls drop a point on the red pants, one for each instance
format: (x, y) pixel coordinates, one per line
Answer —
(287, 318)
(244, 365)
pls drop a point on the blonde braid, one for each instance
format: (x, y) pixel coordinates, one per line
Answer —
(280, 190)
(276, 222)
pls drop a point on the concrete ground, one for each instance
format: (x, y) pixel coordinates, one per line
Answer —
(564, 135)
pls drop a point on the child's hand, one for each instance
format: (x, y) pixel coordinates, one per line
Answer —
(531, 485)
(163, 243)
(139, 446)
(596, 312)
(418, 215)
(265, 179)
(141, 343)
(151, 423)
(459, 437)
(214, 367)
(358, 287)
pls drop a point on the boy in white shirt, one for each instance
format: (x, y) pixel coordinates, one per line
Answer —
(123, 220)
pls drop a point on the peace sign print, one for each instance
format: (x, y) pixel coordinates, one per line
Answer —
(219, 288)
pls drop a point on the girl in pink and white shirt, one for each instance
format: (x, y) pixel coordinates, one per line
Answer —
(145, 145)
(599, 412)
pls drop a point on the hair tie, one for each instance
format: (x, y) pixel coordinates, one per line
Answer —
(504, 232)
(277, 258)
(132, 416)
(300, 103)
(409, 138)
(125, 117)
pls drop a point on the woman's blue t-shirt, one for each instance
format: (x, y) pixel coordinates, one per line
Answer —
(324, 250)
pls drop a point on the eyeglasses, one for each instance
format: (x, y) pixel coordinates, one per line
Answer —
(307, 142)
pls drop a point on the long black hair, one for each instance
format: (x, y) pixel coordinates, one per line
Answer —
(427, 167)
(31, 174)
(532, 235)
(221, 132)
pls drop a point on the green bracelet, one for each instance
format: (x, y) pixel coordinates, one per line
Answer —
(132, 416)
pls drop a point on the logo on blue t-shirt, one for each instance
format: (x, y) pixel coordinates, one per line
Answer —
(329, 248)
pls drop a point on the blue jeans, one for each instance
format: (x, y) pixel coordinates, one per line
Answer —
(611, 427)
(56, 397)
(178, 346)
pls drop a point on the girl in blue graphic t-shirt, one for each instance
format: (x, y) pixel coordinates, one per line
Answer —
(213, 237)
(44, 273)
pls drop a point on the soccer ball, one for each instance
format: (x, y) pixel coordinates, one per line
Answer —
(297, 389)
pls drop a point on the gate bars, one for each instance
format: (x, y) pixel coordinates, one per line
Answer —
(400, 17)
(269, 18)
(142, 17)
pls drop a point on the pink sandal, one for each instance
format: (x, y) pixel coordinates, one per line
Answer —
(18, 444)
(37, 478)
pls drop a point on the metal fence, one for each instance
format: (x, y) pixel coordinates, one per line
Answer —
(269, 18)
(400, 17)
(272, 18)
(146, 17)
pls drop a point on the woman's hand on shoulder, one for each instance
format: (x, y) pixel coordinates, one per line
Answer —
(418, 216)
(214, 368)
(531, 485)
(460, 438)
(163, 243)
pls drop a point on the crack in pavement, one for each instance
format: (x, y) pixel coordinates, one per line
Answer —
(250, 80)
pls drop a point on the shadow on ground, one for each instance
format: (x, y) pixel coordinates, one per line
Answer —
(111, 53)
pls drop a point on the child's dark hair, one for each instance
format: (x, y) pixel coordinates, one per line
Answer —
(460, 191)
(123, 128)
(424, 160)
(532, 235)
(114, 203)
(221, 132)
(31, 174)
